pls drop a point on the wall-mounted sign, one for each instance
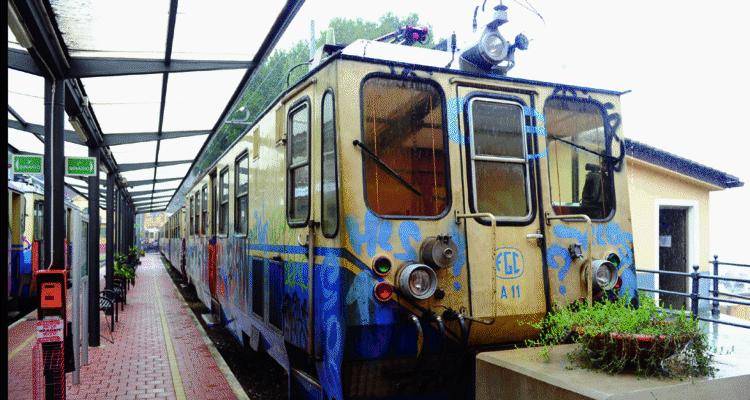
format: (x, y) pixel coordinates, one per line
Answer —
(80, 166)
(28, 164)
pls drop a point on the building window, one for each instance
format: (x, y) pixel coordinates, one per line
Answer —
(329, 169)
(404, 154)
(204, 210)
(500, 182)
(223, 201)
(38, 220)
(298, 165)
(241, 183)
(580, 168)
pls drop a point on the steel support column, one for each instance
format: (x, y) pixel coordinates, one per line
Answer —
(110, 267)
(93, 253)
(54, 172)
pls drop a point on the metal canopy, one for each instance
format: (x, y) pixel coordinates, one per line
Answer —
(136, 94)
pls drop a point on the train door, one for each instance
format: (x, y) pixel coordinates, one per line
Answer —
(17, 208)
(500, 211)
(213, 251)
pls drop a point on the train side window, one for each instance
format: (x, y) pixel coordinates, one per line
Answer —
(405, 147)
(500, 182)
(329, 168)
(38, 220)
(190, 227)
(298, 165)
(204, 209)
(241, 183)
(580, 172)
(196, 215)
(223, 200)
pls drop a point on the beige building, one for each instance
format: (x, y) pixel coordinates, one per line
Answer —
(669, 200)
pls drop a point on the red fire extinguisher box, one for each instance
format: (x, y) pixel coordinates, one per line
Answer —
(52, 286)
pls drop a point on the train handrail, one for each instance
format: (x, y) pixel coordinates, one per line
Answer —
(495, 242)
(587, 263)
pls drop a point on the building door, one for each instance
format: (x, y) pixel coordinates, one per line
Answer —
(673, 251)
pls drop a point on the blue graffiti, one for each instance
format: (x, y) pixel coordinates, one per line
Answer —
(457, 286)
(558, 258)
(569, 232)
(461, 255)
(454, 108)
(333, 329)
(407, 231)
(509, 263)
(360, 293)
(376, 233)
(261, 229)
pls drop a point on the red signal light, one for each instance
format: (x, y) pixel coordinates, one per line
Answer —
(618, 284)
(383, 291)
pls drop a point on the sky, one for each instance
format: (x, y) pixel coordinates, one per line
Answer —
(686, 64)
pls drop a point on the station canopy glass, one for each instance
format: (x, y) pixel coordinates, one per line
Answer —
(204, 71)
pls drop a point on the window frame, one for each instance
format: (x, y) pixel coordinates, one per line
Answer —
(293, 109)
(223, 230)
(196, 212)
(446, 144)
(38, 233)
(329, 92)
(472, 157)
(237, 193)
(608, 136)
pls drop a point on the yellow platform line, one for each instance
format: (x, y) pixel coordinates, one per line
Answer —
(21, 346)
(179, 390)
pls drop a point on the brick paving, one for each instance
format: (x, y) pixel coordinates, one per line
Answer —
(137, 365)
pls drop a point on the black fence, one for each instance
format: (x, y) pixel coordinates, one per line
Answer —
(695, 296)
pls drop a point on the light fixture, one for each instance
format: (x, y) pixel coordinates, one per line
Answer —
(605, 274)
(492, 53)
(417, 281)
(78, 128)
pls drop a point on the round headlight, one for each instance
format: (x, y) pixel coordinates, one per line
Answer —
(417, 281)
(494, 47)
(605, 274)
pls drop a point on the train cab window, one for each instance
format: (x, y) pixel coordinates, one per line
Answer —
(204, 210)
(223, 201)
(329, 172)
(578, 158)
(38, 220)
(500, 183)
(241, 184)
(196, 213)
(404, 150)
(298, 165)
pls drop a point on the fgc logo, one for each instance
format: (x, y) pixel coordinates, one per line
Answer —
(508, 263)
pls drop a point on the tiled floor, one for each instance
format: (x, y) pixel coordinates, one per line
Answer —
(143, 362)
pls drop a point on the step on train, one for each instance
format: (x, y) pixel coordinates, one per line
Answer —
(388, 217)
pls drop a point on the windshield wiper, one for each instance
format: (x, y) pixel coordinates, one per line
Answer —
(578, 146)
(387, 169)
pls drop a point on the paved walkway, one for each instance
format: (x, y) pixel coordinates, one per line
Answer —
(159, 350)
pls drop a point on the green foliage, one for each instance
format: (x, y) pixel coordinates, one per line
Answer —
(614, 337)
(122, 268)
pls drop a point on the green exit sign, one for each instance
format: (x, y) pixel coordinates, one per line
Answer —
(80, 166)
(28, 164)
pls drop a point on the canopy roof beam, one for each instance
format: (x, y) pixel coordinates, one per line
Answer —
(150, 181)
(113, 139)
(147, 165)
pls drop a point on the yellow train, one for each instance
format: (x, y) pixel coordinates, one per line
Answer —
(387, 217)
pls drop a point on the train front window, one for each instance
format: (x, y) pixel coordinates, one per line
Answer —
(498, 153)
(298, 172)
(38, 220)
(580, 173)
(223, 201)
(404, 150)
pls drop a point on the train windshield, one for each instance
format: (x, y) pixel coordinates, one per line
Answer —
(404, 147)
(580, 173)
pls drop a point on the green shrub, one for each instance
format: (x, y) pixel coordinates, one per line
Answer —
(614, 337)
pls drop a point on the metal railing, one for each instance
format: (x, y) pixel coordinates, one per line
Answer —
(695, 296)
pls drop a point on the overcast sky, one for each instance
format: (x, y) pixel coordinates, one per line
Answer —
(687, 65)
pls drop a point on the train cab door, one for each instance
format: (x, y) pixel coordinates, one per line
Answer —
(499, 169)
(208, 205)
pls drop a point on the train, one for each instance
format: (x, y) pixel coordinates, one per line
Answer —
(388, 217)
(26, 238)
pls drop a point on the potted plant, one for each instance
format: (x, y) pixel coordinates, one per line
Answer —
(124, 269)
(615, 337)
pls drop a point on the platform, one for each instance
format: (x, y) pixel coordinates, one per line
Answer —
(159, 351)
(521, 374)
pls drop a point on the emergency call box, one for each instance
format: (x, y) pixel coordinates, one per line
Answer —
(52, 284)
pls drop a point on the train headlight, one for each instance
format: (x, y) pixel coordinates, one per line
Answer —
(417, 281)
(493, 47)
(605, 274)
